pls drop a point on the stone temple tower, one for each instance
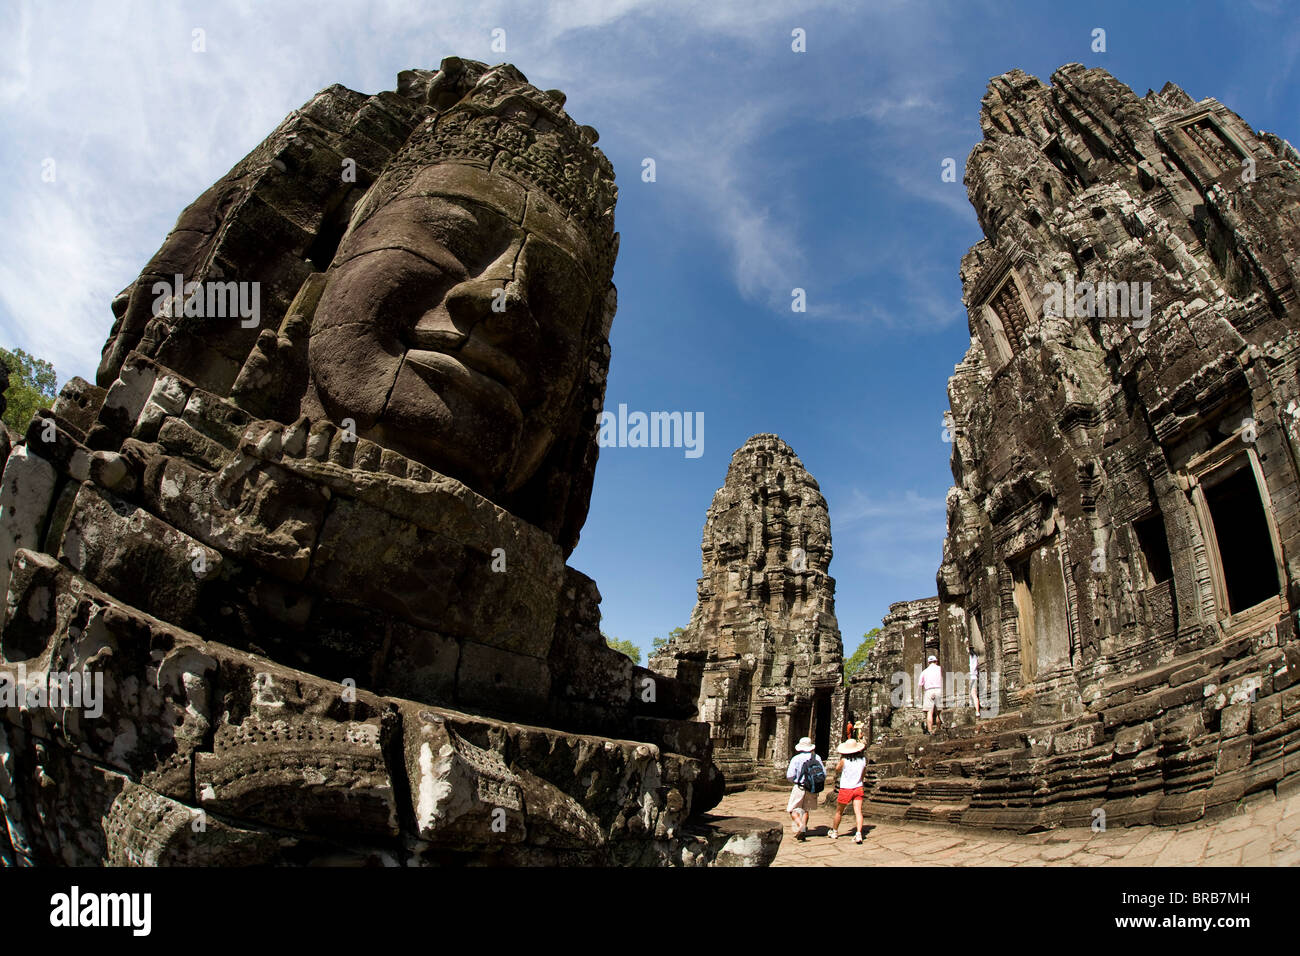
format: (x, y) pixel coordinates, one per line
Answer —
(1123, 529)
(763, 647)
(1125, 438)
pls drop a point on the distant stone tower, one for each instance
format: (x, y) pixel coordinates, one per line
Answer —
(763, 646)
(882, 694)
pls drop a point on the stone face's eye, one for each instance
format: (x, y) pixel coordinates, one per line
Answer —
(456, 229)
(559, 290)
(473, 235)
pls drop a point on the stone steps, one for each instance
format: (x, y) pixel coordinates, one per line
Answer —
(739, 781)
(1167, 745)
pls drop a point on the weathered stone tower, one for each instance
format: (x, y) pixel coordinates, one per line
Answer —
(763, 646)
(1123, 528)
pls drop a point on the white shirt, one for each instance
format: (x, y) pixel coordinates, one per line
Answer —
(932, 678)
(796, 765)
(974, 664)
(851, 775)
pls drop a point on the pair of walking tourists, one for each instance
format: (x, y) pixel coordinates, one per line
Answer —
(808, 774)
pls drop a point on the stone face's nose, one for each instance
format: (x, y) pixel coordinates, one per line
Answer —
(495, 299)
(500, 305)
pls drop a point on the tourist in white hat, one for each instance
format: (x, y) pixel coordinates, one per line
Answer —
(809, 775)
(851, 767)
(932, 693)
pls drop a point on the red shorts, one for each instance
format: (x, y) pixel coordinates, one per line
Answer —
(848, 796)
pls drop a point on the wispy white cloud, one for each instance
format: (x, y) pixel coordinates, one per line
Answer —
(140, 123)
(16, 60)
(908, 507)
(893, 535)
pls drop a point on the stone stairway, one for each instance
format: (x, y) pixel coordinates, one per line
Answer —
(738, 769)
(1166, 745)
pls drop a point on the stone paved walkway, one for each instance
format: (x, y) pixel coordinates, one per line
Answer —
(1265, 832)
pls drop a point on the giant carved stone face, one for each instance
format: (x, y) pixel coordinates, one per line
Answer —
(455, 323)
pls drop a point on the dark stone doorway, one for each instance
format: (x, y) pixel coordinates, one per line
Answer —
(766, 730)
(1245, 546)
(822, 721)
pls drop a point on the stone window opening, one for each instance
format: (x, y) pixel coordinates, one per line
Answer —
(1216, 147)
(1232, 503)
(1023, 593)
(1153, 547)
(1007, 316)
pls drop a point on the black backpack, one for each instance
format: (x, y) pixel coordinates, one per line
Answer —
(813, 775)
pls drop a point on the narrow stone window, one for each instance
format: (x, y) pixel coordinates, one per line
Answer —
(1154, 545)
(1023, 592)
(1006, 316)
(1010, 310)
(1245, 547)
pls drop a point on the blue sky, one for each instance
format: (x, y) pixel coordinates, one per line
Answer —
(775, 170)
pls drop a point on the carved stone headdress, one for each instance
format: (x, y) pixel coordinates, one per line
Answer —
(498, 121)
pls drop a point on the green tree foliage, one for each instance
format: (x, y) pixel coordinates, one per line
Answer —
(860, 655)
(623, 647)
(659, 642)
(32, 385)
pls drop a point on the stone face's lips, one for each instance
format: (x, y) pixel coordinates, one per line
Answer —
(480, 385)
(437, 340)
(471, 352)
(488, 360)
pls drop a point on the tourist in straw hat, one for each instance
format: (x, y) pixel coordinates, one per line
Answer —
(803, 770)
(851, 767)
